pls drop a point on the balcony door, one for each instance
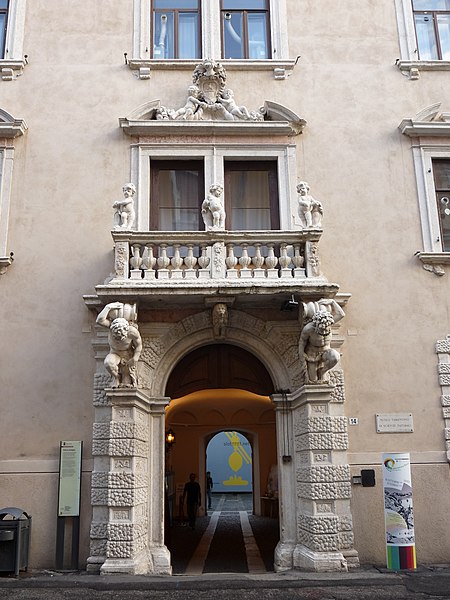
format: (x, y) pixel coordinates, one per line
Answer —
(251, 195)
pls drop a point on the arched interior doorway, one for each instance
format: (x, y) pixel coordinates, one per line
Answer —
(215, 389)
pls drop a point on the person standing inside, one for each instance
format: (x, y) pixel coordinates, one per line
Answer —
(209, 487)
(193, 497)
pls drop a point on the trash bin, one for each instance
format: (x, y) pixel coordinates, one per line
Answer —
(15, 529)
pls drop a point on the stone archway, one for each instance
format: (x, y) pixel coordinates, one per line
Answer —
(127, 532)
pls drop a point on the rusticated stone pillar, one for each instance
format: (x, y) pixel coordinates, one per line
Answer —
(320, 494)
(127, 485)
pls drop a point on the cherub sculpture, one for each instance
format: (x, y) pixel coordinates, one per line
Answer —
(125, 215)
(310, 210)
(213, 212)
(315, 339)
(125, 343)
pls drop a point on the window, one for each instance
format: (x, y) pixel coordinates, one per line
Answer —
(441, 176)
(3, 23)
(177, 193)
(424, 35)
(250, 34)
(176, 29)
(251, 195)
(245, 29)
(432, 23)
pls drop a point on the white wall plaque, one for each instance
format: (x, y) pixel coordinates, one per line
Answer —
(395, 423)
(69, 479)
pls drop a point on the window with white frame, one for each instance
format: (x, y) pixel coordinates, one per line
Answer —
(12, 20)
(173, 180)
(430, 135)
(424, 35)
(432, 25)
(10, 128)
(250, 32)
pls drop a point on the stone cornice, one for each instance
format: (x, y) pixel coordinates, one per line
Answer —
(413, 128)
(413, 67)
(281, 68)
(10, 69)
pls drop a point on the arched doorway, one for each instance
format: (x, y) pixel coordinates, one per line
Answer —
(220, 390)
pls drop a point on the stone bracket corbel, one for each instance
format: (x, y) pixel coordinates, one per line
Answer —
(5, 262)
(434, 261)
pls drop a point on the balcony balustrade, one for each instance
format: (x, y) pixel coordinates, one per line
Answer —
(166, 258)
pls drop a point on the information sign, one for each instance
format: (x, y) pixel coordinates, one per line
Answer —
(69, 478)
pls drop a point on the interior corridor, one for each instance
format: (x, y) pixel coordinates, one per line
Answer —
(230, 539)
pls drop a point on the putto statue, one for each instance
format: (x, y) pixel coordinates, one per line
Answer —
(315, 338)
(209, 99)
(213, 212)
(125, 216)
(125, 343)
(310, 210)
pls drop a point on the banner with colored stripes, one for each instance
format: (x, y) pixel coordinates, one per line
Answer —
(398, 511)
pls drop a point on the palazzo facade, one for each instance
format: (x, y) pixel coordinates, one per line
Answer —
(187, 188)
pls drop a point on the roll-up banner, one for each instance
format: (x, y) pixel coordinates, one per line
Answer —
(398, 511)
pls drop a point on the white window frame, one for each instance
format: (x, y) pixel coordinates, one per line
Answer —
(409, 61)
(211, 41)
(14, 61)
(214, 157)
(430, 132)
(9, 129)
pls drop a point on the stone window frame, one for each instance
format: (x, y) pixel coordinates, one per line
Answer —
(14, 61)
(211, 44)
(10, 128)
(214, 156)
(408, 61)
(430, 135)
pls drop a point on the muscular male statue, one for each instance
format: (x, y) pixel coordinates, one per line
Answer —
(315, 339)
(125, 345)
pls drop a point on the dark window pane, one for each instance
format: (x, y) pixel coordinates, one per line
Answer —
(244, 4)
(249, 197)
(257, 36)
(233, 35)
(441, 172)
(176, 195)
(3, 3)
(171, 4)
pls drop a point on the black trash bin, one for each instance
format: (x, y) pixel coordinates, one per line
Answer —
(15, 529)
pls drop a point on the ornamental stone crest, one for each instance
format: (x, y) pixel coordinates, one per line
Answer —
(208, 99)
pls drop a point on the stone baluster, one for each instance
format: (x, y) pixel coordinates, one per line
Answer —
(136, 262)
(258, 262)
(231, 262)
(190, 261)
(285, 261)
(245, 261)
(148, 262)
(203, 262)
(271, 262)
(176, 263)
(163, 262)
(298, 261)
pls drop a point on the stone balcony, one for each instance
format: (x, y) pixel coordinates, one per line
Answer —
(171, 264)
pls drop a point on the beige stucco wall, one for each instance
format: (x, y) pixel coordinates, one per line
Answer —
(72, 162)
